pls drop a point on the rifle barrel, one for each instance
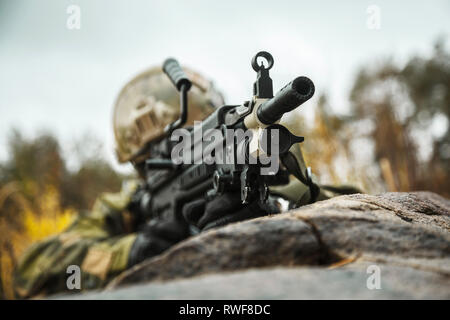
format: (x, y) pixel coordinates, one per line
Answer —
(287, 99)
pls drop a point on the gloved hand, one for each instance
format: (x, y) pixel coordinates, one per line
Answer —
(156, 236)
(224, 209)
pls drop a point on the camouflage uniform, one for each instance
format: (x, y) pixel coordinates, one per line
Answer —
(98, 242)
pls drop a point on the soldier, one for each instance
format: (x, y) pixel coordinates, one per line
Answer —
(115, 236)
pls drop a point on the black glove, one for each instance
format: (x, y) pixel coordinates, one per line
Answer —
(155, 237)
(224, 209)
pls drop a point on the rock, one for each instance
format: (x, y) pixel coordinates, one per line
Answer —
(288, 283)
(318, 251)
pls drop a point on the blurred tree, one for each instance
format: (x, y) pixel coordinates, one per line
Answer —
(91, 176)
(32, 165)
(36, 163)
(403, 105)
(38, 193)
(81, 188)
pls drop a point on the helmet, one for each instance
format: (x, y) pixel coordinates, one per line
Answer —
(149, 102)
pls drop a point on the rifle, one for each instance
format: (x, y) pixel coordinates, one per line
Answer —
(250, 147)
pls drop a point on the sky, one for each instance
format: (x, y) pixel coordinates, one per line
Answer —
(66, 80)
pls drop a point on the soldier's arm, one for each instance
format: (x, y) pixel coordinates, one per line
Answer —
(99, 243)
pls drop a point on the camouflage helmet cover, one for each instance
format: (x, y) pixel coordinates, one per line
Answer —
(149, 102)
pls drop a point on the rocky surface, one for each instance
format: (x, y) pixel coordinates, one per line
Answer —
(289, 283)
(318, 251)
